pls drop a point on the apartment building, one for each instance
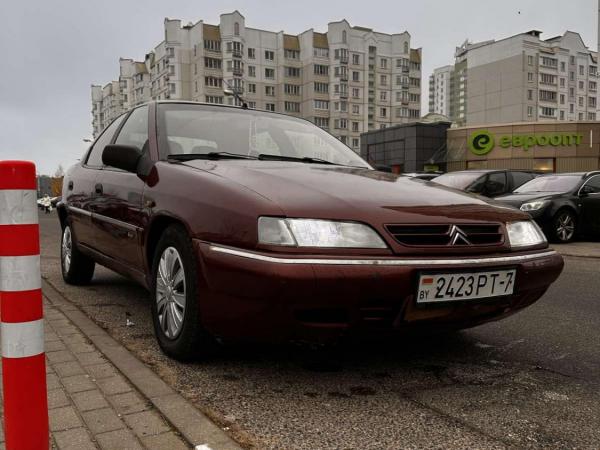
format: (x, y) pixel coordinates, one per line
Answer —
(524, 78)
(348, 80)
(440, 90)
(111, 100)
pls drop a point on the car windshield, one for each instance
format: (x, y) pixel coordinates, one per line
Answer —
(458, 180)
(550, 183)
(187, 129)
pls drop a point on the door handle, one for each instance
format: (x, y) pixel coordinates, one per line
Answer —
(98, 188)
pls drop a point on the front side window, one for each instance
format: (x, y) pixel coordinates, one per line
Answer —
(594, 183)
(187, 129)
(95, 156)
(135, 129)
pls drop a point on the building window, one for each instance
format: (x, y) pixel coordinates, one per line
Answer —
(269, 55)
(321, 104)
(383, 96)
(562, 115)
(547, 112)
(236, 28)
(580, 101)
(292, 107)
(292, 72)
(562, 99)
(251, 53)
(270, 106)
(340, 124)
(543, 164)
(251, 71)
(572, 76)
(355, 142)
(321, 52)
(591, 116)
(562, 82)
(291, 89)
(344, 37)
(530, 60)
(355, 109)
(213, 46)
(383, 63)
(355, 93)
(581, 70)
(321, 88)
(592, 85)
(406, 48)
(355, 127)
(530, 76)
(547, 96)
(546, 78)
(356, 59)
(355, 76)
(213, 82)
(563, 66)
(252, 88)
(214, 99)
(320, 69)
(322, 122)
(383, 80)
(270, 91)
(212, 63)
(549, 62)
(291, 54)
(170, 51)
(269, 73)
(530, 111)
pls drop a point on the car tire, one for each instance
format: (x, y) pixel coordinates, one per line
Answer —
(564, 226)
(174, 298)
(76, 268)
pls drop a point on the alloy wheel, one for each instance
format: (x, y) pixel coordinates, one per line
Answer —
(565, 227)
(170, 293)
(67, 249)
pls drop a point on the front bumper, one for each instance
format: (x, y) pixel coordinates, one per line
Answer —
(246, 294)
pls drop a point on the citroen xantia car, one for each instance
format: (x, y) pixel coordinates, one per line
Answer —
(245, 224)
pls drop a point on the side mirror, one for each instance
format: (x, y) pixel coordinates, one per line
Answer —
(124, 157)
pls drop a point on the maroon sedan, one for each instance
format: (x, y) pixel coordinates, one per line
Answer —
(248, 224)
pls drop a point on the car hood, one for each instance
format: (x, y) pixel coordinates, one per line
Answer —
(324, 191)
(517, 199)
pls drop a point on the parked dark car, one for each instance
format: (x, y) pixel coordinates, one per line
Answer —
(491, 183)
(249, 224)
(564, 205)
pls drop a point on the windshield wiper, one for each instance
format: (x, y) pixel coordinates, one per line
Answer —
(304, 159)
(209, 155)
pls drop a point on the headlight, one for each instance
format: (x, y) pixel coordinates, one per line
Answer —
(524, 234)
(317, 233)
(534, 206)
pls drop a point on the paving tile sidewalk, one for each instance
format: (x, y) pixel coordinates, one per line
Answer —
(91, 405)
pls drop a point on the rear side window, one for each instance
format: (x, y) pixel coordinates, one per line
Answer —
(135, 130)
(95, 156)
(496, 183)
(520, 178)
(594, 183)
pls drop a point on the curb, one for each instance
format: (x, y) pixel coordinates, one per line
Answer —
(194, 427)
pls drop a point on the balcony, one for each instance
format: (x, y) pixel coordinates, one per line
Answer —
(237, 54)
(238, 73)
(344, 59)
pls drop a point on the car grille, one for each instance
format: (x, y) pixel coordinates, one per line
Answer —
(423, 235)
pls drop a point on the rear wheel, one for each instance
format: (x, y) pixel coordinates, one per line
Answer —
(77, 268)
(564, 225)
(175, 303)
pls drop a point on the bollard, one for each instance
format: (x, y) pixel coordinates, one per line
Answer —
(21, 327)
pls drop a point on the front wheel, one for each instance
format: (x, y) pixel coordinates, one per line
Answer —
(77, 268)
(175, 307)
(564, 226)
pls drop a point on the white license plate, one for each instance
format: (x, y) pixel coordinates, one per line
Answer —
(443, 287)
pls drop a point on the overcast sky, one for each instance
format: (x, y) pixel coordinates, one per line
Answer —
(53, 50)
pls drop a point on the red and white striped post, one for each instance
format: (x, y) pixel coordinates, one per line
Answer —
(22, 326)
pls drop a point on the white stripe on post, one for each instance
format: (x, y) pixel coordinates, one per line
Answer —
(20, 273)
(18, 207)
(22, 339)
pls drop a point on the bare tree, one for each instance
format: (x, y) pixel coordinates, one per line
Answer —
(60, 172)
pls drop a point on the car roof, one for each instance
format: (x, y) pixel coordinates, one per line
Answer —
(493, 170)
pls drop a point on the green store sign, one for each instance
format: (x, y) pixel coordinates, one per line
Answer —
(481, 142)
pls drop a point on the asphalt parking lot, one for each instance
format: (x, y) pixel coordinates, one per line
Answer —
(530, 381)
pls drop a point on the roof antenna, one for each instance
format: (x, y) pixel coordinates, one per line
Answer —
(235, 93)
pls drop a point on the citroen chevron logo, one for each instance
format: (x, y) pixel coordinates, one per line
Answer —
(458, 236)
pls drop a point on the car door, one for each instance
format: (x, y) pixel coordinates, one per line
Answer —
(80, 192)
(590, 205)
(118, 217)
